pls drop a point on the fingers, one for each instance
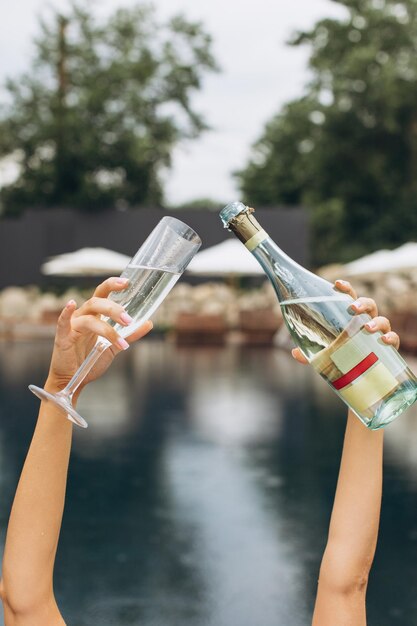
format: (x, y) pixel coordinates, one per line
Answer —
(299, 356)
(108, 308)
(87, 318)
(346, 287)
(391, 339)
(90, 323)
(140, 332)
(361, 305)
(383, 325)
(365, 305)
(63, 328)
(379, 323)
(109, 285)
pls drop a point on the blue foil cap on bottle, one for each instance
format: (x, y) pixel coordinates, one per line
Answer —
(230, 211)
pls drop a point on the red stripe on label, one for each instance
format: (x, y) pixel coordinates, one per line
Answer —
(355, 372)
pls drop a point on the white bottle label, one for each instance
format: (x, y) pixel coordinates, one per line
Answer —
(361, 369)
(369, 388)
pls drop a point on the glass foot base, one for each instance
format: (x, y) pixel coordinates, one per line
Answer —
(62, 403)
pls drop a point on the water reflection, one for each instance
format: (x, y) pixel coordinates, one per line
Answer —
(201, 492)
(230, 410)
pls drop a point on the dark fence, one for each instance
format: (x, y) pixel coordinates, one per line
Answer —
(25, 243)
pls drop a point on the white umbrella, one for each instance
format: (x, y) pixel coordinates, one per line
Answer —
(227, 258)
(86, 262)
(404, 257)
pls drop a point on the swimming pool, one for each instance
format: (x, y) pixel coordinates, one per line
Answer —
(201, 493)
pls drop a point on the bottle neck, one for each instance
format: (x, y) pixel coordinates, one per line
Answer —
(286, 275)
(290, 280)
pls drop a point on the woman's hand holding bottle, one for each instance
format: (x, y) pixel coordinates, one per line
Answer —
(362, 305)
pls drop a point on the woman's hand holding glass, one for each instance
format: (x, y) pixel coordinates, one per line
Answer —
(77, 333)
(149, 277)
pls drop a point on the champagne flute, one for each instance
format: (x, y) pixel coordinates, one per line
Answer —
(152, 273)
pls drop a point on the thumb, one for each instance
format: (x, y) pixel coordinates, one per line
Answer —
(63, 328)
(299, 356)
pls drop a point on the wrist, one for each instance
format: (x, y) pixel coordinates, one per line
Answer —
(55, 385)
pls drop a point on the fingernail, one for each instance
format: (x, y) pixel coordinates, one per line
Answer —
(125, 318)
(371, 325)
(122, 343)
(121, 281)
(357, 304)
(342, 282)
(70, 304)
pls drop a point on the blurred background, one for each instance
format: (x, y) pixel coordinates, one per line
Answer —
(202, 491)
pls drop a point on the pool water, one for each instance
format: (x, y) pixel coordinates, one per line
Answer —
(201, 493)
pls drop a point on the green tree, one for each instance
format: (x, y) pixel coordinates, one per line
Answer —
(94, 122)
(348, 148)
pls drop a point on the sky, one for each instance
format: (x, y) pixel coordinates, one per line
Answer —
(259, 73)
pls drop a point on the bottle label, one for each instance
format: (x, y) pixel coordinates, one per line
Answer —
(355, 372)
(360, 345)
(370, 388)
(361, 369)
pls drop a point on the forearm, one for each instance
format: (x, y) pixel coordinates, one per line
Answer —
(35, 521)
(355, 518)
(353, 530)
(356, 511)
(36, 515)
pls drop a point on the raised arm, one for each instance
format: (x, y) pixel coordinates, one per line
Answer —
(35, 520)
(354, 523)
(353, 531)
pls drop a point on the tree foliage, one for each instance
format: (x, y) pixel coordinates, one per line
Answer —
(348, 147)
(94, 122)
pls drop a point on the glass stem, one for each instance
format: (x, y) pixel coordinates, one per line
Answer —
(85, 368)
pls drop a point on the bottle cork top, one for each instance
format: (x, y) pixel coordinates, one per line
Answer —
(239, 219)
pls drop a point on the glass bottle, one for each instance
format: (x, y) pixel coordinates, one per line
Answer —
(369, 375)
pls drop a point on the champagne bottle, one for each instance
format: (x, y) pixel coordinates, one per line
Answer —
(369, 375)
